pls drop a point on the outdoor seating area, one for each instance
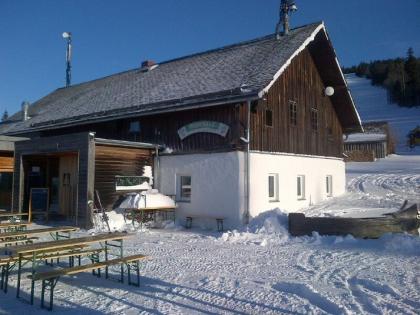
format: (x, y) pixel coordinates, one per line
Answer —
(22, 251)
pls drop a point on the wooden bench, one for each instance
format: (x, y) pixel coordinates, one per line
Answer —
(7, 262)
(219, 221)
(13, 227)
(50, 278)
(16, 241)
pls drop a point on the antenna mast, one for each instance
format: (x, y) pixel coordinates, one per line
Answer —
(286, 7)
(67, 36)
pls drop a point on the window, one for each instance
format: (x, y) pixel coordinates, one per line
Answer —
(269, 118)
(184, 188)
(273, 187)
(300, 187)
(293, 113)
(314, 119)
(328, 183)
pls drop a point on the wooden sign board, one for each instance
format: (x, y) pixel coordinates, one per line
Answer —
(204, 126)
(39, 201)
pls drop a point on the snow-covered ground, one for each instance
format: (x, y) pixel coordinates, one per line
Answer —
(375, 188)
(372, 104)
(262, 270)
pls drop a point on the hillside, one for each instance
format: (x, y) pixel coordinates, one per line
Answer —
(372, 104)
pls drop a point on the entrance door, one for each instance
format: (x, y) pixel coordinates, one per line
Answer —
(68, 185)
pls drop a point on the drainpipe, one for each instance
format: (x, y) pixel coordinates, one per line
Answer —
(247, 140)
(157, 175)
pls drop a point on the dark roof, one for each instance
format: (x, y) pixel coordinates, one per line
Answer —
(211, 76)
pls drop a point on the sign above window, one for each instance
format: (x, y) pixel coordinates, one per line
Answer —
(203, 126)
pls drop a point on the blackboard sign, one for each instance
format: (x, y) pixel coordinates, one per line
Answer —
(39, 199)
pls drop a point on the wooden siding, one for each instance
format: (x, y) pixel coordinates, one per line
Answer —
(302, 84)
(163, 129)
(6, 164)
(111, 161)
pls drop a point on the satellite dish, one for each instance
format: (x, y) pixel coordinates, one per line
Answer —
(329, 91)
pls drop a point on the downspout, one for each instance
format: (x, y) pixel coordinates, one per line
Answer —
(247, 163)
(157, 176)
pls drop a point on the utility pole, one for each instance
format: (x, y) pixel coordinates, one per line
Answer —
(67, 36)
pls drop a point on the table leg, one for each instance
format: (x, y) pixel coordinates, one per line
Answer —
(19, 275)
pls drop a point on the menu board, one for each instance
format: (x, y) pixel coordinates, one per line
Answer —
(39, 199)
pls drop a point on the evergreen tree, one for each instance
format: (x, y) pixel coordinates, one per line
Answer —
(5, 116)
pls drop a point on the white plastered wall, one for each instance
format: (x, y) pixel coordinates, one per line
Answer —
(288, 167)
(217, 186)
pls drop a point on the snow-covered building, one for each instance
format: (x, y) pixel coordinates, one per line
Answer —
(231, 132)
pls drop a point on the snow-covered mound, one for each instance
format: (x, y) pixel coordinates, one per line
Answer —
(115, 221)
(372, 104)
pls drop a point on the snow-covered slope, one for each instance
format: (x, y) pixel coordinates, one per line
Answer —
(372, 104)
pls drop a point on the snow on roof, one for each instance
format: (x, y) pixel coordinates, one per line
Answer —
(365, 137)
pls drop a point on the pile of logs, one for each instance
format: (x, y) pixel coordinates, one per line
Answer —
(405, 220)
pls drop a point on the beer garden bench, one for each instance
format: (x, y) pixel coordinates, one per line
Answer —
(219, 220)
(50, 278)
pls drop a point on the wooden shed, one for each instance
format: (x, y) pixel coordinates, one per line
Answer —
(70, 168)
(366, 146)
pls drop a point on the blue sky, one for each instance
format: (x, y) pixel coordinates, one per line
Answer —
(113, 36)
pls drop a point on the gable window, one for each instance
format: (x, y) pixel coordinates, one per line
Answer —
(269, 118)
(273, 187)
(314, 119)
(300, 191)
(328, 183)
(183, 183)
(293, 113)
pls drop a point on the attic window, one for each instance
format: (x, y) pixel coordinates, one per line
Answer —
(293, 113)
(269, 118)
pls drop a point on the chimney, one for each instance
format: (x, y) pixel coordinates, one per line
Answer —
(148, 65)
(25, 110)
(286, 7)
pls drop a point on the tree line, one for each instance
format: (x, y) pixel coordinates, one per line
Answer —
(400, 77)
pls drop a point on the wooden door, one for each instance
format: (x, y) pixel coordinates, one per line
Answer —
(68, 185)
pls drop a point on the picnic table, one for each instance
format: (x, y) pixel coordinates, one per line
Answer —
(12, 217)
(13, 226)
(147, 214)
(21, 236)
(112, 244)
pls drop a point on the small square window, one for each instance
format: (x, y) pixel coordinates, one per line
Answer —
(269, 118)
(273, 187)
(300, 181)
(314, 119)
(184, 188)
(293, 113)
(328, 183)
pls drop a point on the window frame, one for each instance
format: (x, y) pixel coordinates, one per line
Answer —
(300, 196)
(179, 188)
(275, 197)
(329, 185)
(266, 117)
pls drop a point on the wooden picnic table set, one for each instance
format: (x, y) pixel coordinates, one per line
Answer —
(17, 249)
